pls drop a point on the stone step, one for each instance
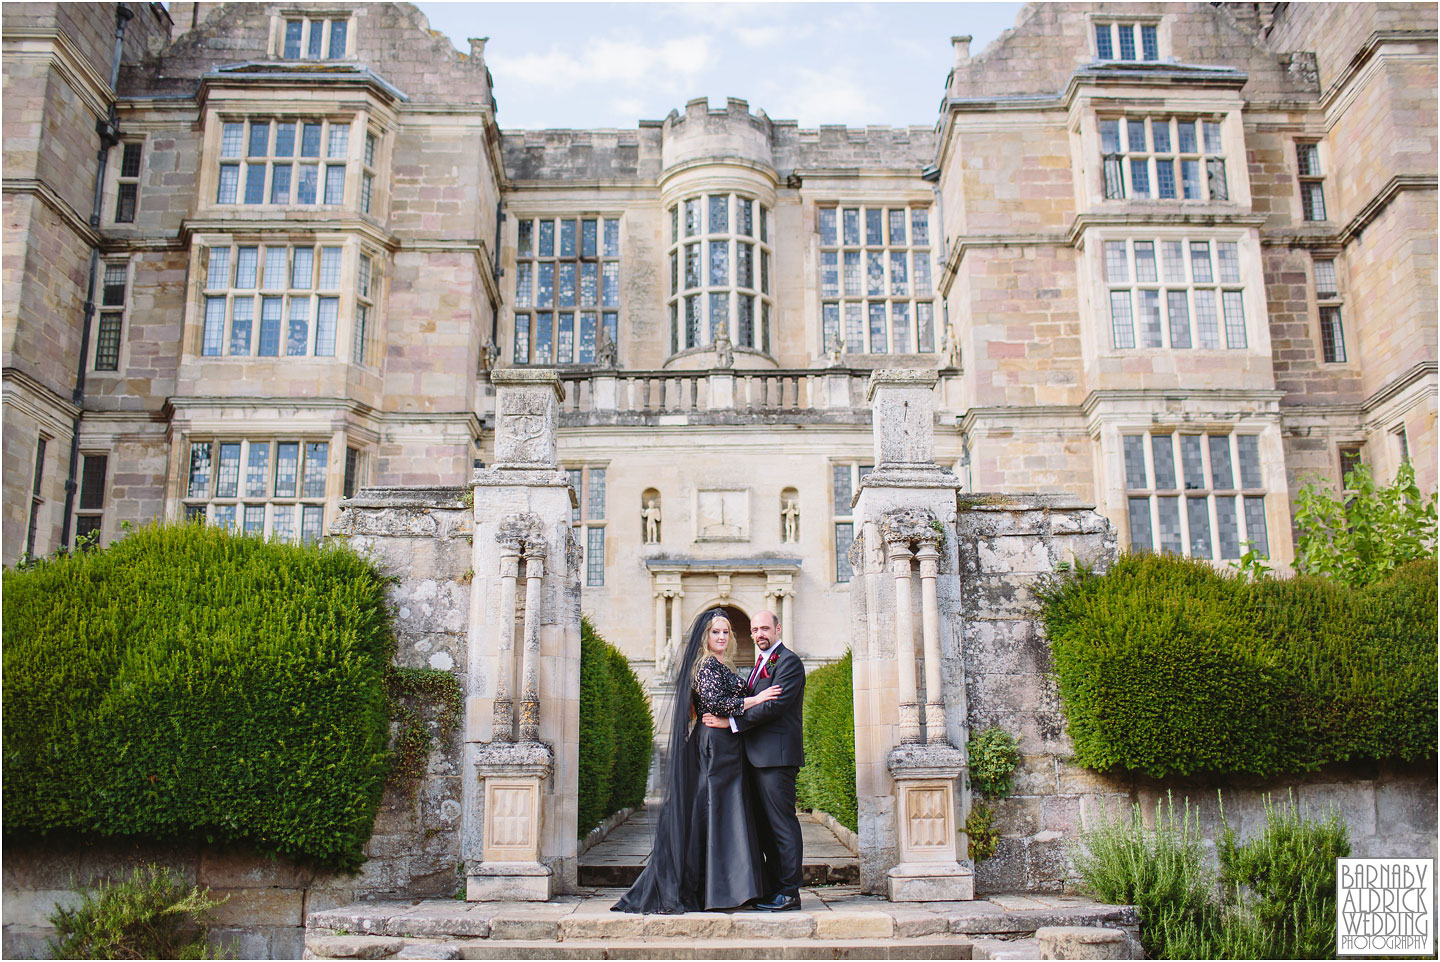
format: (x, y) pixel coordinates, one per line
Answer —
(382, 947)
(624, 874)
(1003, 949)
(839, 913)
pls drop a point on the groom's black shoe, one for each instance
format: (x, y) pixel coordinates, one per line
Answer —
(780, 902)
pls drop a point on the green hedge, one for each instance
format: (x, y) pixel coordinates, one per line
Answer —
(616, 732)
(1167, 667)
(827, 781)
(185, 683)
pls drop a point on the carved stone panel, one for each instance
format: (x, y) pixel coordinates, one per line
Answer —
(722, 515)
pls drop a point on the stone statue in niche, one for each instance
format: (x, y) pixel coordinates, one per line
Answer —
(650, 514)
(790, 518)
(606, 355)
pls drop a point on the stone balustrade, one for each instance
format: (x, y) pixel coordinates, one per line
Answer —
(837, 392)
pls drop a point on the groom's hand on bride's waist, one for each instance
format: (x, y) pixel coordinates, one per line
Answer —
(712, 721)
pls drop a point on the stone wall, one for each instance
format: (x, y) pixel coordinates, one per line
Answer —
(1011, 545)
(422, 538)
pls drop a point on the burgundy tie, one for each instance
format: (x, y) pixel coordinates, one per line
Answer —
(755, 673)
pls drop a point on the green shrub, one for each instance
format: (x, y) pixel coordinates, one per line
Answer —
(185, 683)
(983, 837)
(1283, 882)
(152, 914)
(827, 781)
(597, 729)
(1367, 531)
(617, 731)
(993, 757)
(1274, 897)
(634, 735)
(1166, 666)
(1158, 870)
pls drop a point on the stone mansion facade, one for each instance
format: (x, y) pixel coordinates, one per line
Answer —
(1168, 259)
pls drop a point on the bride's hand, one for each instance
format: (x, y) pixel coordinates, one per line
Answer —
(769, 694)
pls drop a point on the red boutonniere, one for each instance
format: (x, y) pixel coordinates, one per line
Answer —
(769, 663)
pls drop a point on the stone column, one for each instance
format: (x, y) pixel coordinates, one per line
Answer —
(898, 552)
(520, 803)
(909, 791)
(787, 615)
(929, 557)
(530, 663)
(504, 711)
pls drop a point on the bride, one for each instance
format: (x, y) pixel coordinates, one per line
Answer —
(706, 854)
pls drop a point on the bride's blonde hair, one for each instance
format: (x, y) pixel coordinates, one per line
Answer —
(726, 658)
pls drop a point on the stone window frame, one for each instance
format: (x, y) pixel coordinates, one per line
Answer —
(591, 516)
(306, 43)
(112, 316)
(205, 500)
(335, 342)
(1329, 300)
(1349, 455)
(692, 297)
(1121, 158)
(357, 471)
(1114, 27)
(1148, 499)
(848, 313)
(370, 156)
(127, 181)
(1227, 292)
(1311, 162)
(37, 493)
(527, 310)
(90, 508)
(234, 152)
(845, 478)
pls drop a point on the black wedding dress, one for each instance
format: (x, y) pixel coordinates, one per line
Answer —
(706, 853)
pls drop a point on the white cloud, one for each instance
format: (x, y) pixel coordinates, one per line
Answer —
(827, 97)
(671, 64)
(757, 36)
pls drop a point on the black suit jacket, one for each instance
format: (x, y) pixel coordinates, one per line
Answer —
(772, 729)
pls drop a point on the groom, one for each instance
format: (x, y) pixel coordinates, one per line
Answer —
(774, 753)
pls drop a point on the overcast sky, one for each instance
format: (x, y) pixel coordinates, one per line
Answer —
(613, 64)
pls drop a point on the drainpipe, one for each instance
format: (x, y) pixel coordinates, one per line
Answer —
(109, 131)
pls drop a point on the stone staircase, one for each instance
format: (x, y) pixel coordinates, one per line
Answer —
(834, 922)
(617, 860)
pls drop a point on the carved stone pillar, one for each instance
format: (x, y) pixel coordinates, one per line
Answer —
(662, 647)
(909, 790)
(787, 614)
(898, 553)
(530, 664)
(929, 557)
(518, 798)
(504, 711)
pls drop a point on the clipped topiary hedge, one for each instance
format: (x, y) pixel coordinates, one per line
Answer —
(1166, 666)
(186, 683)
(616, 732)
(827, 781)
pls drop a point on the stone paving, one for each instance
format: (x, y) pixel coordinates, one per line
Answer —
(618, 859)
(834, 922)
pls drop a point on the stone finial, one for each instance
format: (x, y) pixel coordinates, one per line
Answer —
(526, 415)
(477, 48)
(962, 49)
(902, 404)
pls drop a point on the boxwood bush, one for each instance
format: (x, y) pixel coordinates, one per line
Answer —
(616, 732)
(827, 781)
(1167, 667)
(186, 683)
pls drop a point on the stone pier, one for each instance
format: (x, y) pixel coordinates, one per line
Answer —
(910, 713)
(523, 670)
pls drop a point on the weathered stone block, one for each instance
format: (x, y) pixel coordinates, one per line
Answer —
(854, 924)
(1081, 942)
